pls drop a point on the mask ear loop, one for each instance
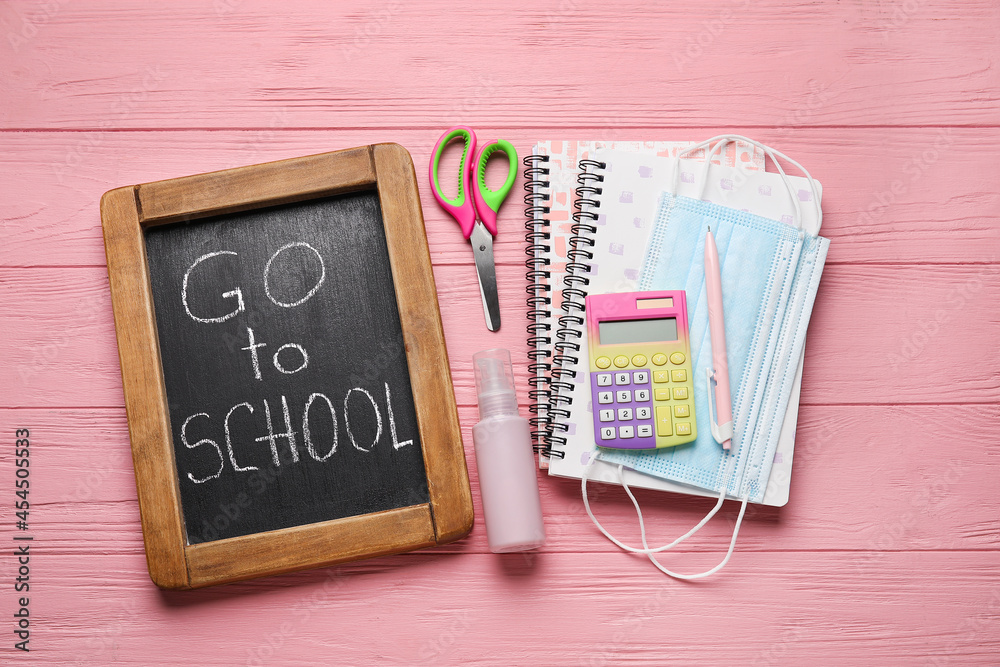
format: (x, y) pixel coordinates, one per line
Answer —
(642, 525)
(721, 140)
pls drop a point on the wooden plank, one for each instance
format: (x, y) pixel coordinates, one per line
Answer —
(426, 353)
(118, 65)
(901, 195)
(254, 186)
(145, 394)
(484, 609)
(876, 457)
(310, 546)
(896, 323)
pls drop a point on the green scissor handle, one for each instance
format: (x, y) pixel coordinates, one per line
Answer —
(488, 201)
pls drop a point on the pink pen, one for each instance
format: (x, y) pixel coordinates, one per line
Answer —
(722, 407)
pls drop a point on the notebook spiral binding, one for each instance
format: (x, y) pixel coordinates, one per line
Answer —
(552, 370)
(574, 292)
(536, 200)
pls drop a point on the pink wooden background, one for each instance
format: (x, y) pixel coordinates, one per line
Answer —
(888, 551)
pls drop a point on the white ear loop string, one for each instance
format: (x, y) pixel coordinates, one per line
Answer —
(723, 139)
(642, 525)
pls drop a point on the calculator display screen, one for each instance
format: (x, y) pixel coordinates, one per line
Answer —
(638, 331)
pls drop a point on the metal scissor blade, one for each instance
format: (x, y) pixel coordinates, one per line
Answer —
(482, 250)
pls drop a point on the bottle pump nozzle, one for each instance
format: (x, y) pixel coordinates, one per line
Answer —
(495, 383)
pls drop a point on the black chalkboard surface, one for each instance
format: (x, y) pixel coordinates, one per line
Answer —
(286, 376)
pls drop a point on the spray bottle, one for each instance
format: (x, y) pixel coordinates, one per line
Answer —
(508, 480)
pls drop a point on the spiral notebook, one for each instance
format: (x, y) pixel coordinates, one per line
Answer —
(602, 257)
(555, 183)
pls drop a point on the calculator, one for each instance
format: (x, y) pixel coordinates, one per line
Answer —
(640, 369)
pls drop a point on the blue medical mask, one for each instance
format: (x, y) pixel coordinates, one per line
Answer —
(768, 289)
(770, 276)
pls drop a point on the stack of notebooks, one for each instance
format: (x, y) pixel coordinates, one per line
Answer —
(591, 208)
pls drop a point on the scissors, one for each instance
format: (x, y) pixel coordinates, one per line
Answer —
(476, 214)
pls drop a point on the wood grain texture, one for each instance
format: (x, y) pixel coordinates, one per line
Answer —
(254, 186)
(944, 213)
(895, 338)
(144, 391)
(309, 546)
(630, 64)
(847, 457)
(887, 552)
(863, 608)
(423, 338)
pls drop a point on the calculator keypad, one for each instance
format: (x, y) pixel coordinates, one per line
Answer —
(633, 408)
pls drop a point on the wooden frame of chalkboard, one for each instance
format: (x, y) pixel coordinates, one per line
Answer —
(128, 212)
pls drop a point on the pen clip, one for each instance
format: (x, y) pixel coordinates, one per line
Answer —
(722, 432)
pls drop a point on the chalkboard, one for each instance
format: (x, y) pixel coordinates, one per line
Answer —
(284, 369)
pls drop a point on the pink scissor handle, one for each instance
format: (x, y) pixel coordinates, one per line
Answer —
(461, 206)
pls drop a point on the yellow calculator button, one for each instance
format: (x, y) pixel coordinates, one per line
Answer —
(621, 361)
(659, 358)
(683, 428)
(677, 358)
(662, 393)
(602, 362)
(680, 393)
(663, 424)
(679, 375)
(682, 411)
(661, 376)
(639, 360)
